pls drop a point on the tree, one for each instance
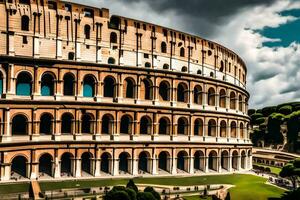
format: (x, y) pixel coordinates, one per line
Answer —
(286, 110)
(132, 185)
(131, 193)
(291, 171)
(145, 196)
(153, 192)
(291, 195)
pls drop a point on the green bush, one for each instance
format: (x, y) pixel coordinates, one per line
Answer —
(266, 111)
(260, 120)
(286, 110)
(251, 112)
(131, 193)
(132, 185)
(256, 116)
(153, 192)
(145, 196)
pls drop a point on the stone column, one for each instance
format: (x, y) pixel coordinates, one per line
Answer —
(154, 166)
(77, 167)
(56, 167)
(206, 164)
(219, 163)
(115, 171)
(230, 163)
(135, 167)
(191, 165)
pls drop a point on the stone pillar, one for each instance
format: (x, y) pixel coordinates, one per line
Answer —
(239, 163)
(154, 166)
(135, 164)
(206, 164)
(191, 165)
(250, 162)
(5, 172)
(34, 170)
(174, 165)
(230, 163)
(115, 171)
(77, 167)
(219, 164)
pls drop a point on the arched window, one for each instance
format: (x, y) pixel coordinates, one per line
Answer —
(67, 123)
(198, 127)
(87, 31)
(240, 103)
(46, 124)
(89, 86)
(182, 126)
(198, 95)
(163, 47)
(184, 69)
(109, 87)
(182, 93)
(242, 131)
(19, 125)
(146, 89)
(145, 125)
(71, 56)
(113, 38)
(1, 83)
(233, 129)
(232, 100)
(166, 66)
(86, 124)
(66, 162)
(223, 128)
(25, 23)
(111, 61)
(199, 72)
(45, 164)
(19, 166)
(222, 102)
(182, 161)
(211, 74)
(182, 52)
(129, 88)
(24, 84)
(47, 85)
(212, 125)
(147, 65)
(164, 91)
(211, 97)
(164, 126)
(126, 123)
(69, 81)
(107, 124)
(222, 66)
(87, 162)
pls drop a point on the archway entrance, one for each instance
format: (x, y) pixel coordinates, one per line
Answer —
(105, 157)
(182, 161)
(144, 166)
(19, 167)
(87, 163)
(164, 161)
(235, 160)
(124, 163)
(199, 161)
(212, 161)
(45, 165)
(66, 165)
(224, 160)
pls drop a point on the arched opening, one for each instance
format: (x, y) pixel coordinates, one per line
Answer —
(232, 100)
(147, 65)
(126, 123)
(242, 131)
(67, 123)
(199, 160)
(45, 165)
(71, 56)
(199, 72)
(164, 91)
(225, 160)
(105, 163)
(222, 66)
(111, 61)
(240, 103)
(198, 95)
(47, 85)
(234, 162)
(89, 86)
(243, 160)
(107, 124)
(223, 128)
(182, 52)
(212, 125)
(46, 124)
(146, 89)
(66, 164)
(87, 31)
(69, 81)
(113, 38)
(87, 163)
(164, 161)
(164, 126)
(233, 129)
(182, 93)
(212, 161)
(25, 23)
(124, 163)
(198, 127)
(19, 125)
(24, 84)
(163, 47)
(129, 88)
(182, 126)
(109, 87)
(1, 83)
(87, 124)
(144, 164)
(166, 66)
(211, 97)
(19, 167)
(182, 161)
(222, 102)
(184, 69)
(145, 125)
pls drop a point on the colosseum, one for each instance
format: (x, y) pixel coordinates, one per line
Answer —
(87, 94)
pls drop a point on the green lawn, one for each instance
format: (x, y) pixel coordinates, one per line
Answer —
(248, 187)
(275, 170)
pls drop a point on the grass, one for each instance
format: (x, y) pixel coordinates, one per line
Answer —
(196, 198)
(248, 187)
(275, 170)
(14, 188)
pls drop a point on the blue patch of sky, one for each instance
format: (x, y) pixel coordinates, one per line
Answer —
(287, 33)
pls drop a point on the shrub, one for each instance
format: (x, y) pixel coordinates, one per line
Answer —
(116, 195)
(145, 196)
(259, 121)
(131, 193)
(132, 185)
(153, 192)
(251, 112)
(268, 110)
(286, 110)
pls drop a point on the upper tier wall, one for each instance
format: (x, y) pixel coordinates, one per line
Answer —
(67, 31)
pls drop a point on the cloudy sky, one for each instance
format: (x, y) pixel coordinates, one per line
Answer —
(265, 33)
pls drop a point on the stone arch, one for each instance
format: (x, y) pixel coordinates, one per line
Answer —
(144, 162)
(69, 84)
(182, 161)
(107, 124)
(163, 47)
(87, 163)
(198, 127)
(146, 89)
(126, 124)
(164, 126)
(182, 52)
(198, 94)
(182, 126)
(184, 69)
(213, 160)
(199, 161)
(164, 161)
(223, 128)
(46, 124)
(211, 100)
(113, 38)
(145, 125)
(25, 23)
(105, 165)
(164, 90)
(241, 103)
(89, 85)
(66, 164)
(19, 167)
(24, 84)
(182, 92)
(125, 163)
(225, 160)
(233, 128)
(223, 96)
(46, 165)
(111, 61)
(67, 123)
(87, 31)
(242, 136)
(232, 100)
(129, 88)
(166, 66)
(109, 87)
(87, 123)
(19, 125)
(235, 159)
(47, 84)
(243, 160)
(212, 128)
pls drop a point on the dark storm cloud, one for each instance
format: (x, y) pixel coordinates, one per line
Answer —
(290, 88)
(264, 75)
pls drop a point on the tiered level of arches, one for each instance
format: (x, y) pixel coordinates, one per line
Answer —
(124, 107)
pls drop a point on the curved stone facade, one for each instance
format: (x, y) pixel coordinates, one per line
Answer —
(85, 94)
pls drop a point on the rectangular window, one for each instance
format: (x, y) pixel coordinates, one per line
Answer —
(25, 41)
(165, 32)
(52, 5)
(68, 7)
(146, 55)
(88, 13)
